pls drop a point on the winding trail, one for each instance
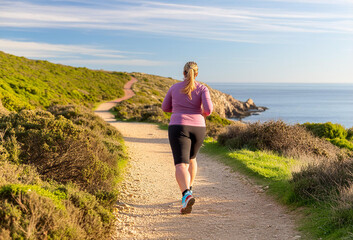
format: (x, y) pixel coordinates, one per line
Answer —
(228, 205)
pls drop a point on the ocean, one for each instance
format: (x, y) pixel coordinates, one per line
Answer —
(296, 103)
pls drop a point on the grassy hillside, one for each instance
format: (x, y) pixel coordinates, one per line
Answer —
(26, 84)
(59, 164)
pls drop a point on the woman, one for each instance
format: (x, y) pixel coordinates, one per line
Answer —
(190, 103)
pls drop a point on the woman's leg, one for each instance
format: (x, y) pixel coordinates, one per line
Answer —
(182, 176)
(192, 170)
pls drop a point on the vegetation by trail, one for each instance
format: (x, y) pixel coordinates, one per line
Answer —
(58, 174)
(334, 133)
(59, 164)
(300, 168)
(304, 165)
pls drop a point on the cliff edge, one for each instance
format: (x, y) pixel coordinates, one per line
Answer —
(228, 107)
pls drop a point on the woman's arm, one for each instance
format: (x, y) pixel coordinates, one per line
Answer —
(207, 106)
(167, 102)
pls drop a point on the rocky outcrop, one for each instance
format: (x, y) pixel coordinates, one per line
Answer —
(226, 106)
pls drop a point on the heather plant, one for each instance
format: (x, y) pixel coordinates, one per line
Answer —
(52, 211)
(290, 140)
(58, 174)
(343, 209)
(323, 180)
(327, 187)
(64, 151)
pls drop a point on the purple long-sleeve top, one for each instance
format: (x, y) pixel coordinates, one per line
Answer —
(187, 111)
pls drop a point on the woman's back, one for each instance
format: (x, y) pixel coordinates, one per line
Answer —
(190, 103)
(188, 111)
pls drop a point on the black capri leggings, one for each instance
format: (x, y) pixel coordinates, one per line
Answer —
(185, 142)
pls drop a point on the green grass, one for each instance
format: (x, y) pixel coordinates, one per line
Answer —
(266, 165)
(261, 164)
(318, 219)
(266, 168)
(27, 84)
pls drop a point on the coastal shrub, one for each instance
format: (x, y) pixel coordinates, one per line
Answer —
(63, 151)
(323, 180)
(327, 130)
(52, 212)
(216, 119)
(290, 140)
(342, 215)
(141, 113)
(350, 134)
(14, 173)
(58, 174)
(342, 143)
(84, 117)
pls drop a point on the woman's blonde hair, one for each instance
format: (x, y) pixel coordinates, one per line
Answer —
(190, 71)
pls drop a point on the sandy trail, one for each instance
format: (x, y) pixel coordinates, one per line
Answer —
(227, 205)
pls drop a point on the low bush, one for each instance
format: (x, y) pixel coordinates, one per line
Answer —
(58, 174)
(327, 130)
(52, 211)
(343, 209)
(326, 187)
(141, 112)
(61, 150)
(323, 180)
(342, 143)
(290, 140)
(334, 133)
(350, 134)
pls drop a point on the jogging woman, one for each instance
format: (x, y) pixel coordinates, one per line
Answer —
(190, 103)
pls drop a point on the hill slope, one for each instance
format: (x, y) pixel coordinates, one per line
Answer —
(26, 83)
(59, 167)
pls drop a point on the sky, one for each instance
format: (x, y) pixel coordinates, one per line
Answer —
(248, 41)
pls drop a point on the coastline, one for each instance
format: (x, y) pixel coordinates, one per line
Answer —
(296, 103)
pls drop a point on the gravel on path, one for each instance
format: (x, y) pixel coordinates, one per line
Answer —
(228, 205)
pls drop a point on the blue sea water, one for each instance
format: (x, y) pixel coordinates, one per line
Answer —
(296, 103)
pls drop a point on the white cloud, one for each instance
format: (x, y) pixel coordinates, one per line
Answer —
(207, 22)
(73, 54)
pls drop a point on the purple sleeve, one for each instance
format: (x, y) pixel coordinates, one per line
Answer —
(167, 102)
(206, 102)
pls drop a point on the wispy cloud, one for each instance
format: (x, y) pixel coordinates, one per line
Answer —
(335, 2)
(107, 62)
(78, 55)
(207, 22)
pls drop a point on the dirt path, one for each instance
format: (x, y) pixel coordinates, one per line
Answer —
(227, 205)
(128, 94)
